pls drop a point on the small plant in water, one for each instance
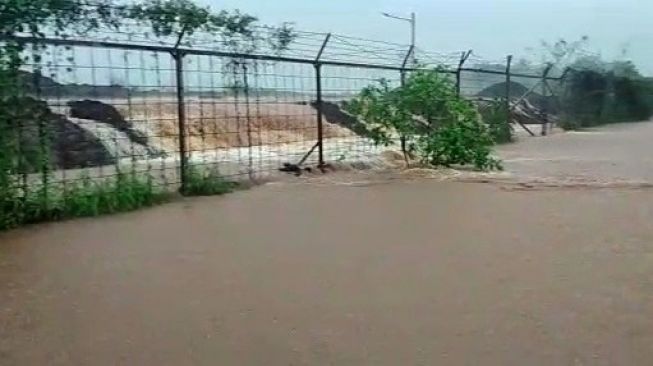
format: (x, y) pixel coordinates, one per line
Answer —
(206, 183)
(86, 197)
(495, 116)
(125, 193)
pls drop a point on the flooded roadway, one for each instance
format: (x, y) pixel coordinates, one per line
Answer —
(403, 272)
(614, 153)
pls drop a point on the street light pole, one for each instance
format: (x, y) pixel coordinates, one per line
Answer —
(413, 26)
(413, 23)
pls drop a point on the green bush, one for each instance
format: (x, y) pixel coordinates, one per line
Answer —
(429, 118)
(466, 142)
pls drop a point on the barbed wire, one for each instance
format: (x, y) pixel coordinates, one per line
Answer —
(305, 44)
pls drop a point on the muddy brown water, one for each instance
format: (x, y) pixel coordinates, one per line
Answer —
(620, 152)
(359, 272)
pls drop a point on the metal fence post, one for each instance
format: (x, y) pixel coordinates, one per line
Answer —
(545, 101)
(318, 91)
(555, 96)
(320, 136)
(402, 138)
(181, 118)
(411, 50)
(44, 150)
(463, 58)
(508, 81)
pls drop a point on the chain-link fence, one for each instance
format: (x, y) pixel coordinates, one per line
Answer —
(161, 112)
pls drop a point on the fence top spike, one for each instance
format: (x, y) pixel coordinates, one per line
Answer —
(411, 49)
(324, 44)
(463, 58)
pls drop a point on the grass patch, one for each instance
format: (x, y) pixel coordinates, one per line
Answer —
(126, 193)
(206, 183)
(82, 199)
(89, 198)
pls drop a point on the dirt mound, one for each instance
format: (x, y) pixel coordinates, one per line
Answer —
(498, 90)
(333, 113)
(68, 146)
(92, 109)
(98, 111)
(76, 148)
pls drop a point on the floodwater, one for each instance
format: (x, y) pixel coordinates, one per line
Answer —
(615, 153)
(357, 271)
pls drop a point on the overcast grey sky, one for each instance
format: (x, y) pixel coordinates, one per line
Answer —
(492, 28)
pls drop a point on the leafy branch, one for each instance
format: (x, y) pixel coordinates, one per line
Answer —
(181, 19)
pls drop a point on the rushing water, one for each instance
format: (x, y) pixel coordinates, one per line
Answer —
(116, 142)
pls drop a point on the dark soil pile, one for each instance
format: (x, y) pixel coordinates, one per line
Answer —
(48, 138)
(498, 90)
(333, 113)
(98, 111)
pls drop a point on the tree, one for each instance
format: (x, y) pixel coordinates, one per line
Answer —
(181, 19)
(595, 90)
(562, 52)
(21, 16)
(34, 17)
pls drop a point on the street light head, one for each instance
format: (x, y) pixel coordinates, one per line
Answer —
(410, 20)
(395, 16)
